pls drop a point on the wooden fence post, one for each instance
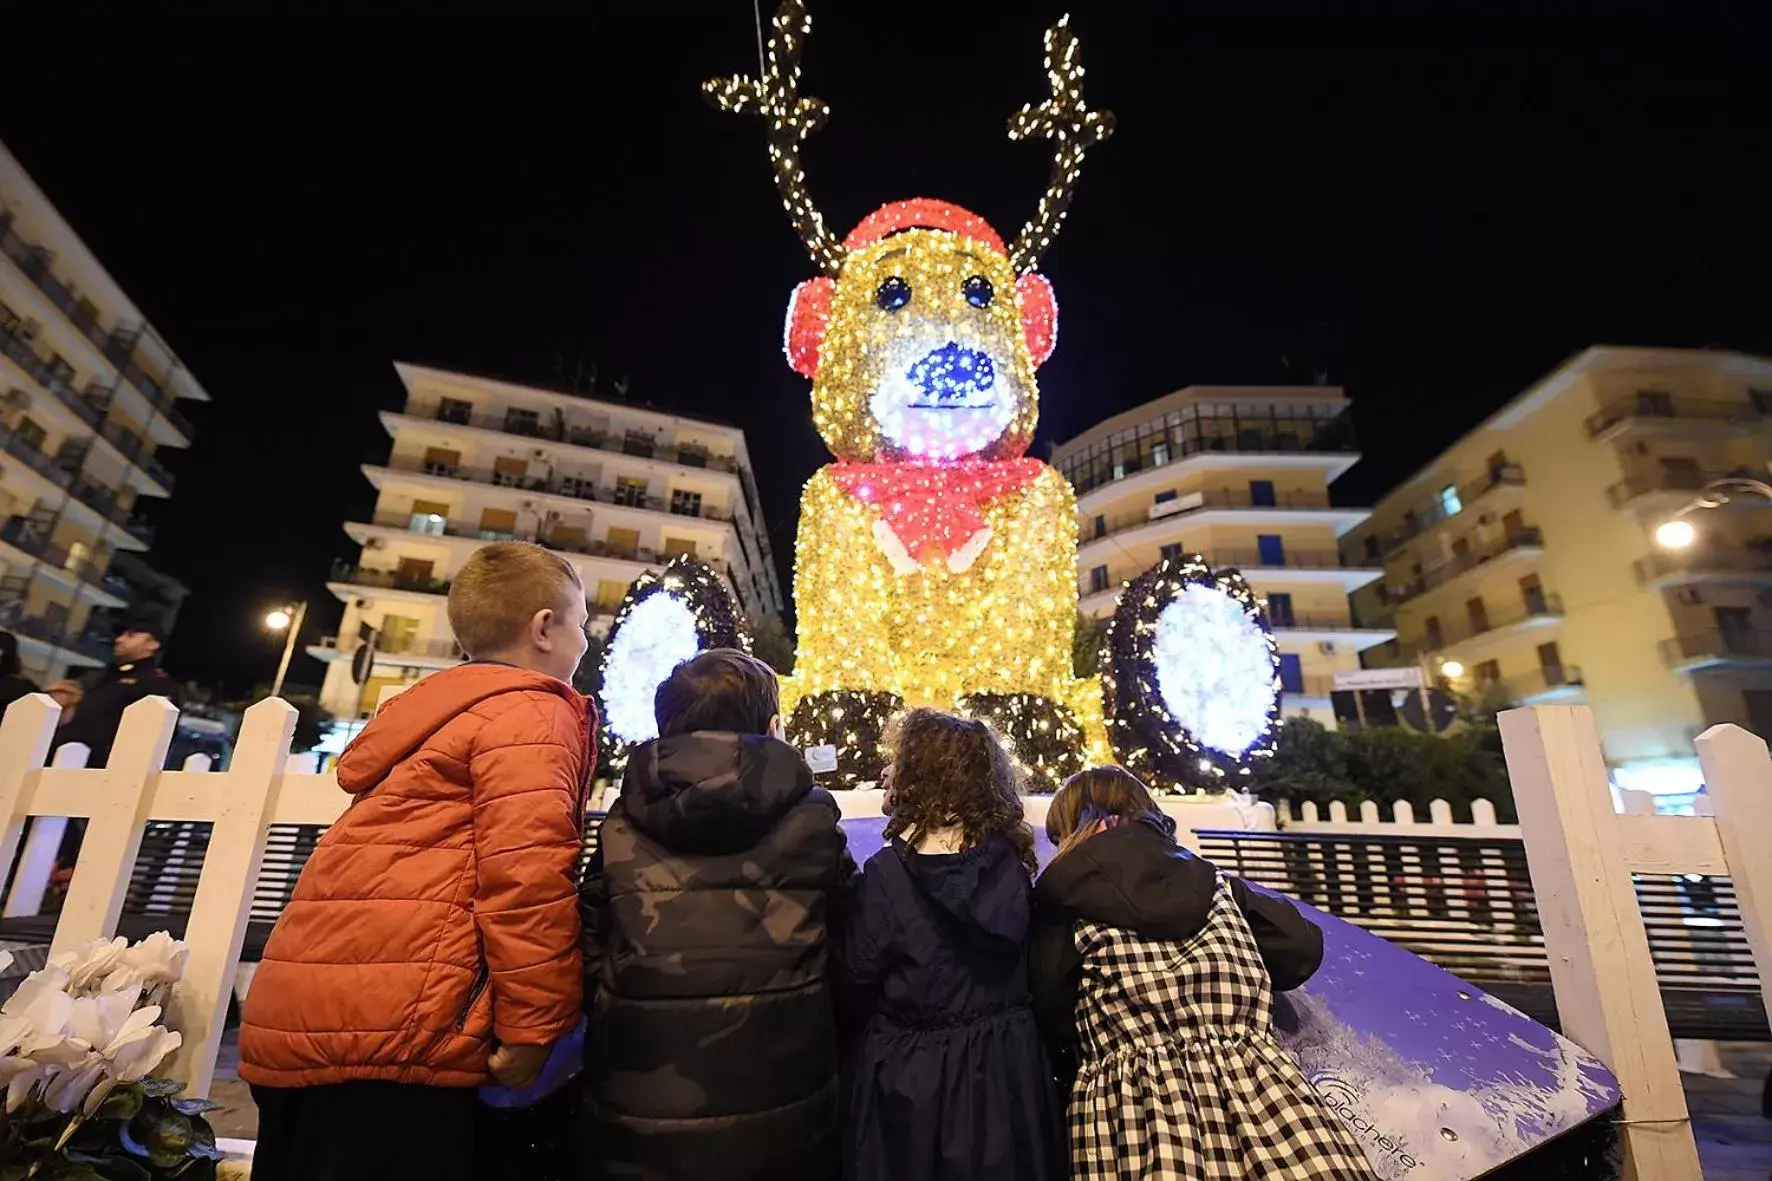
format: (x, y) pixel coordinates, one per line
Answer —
(114, 834)
(1608, 998)
(1738, 779)
(223, 901)
(26, 730)
(36, 865)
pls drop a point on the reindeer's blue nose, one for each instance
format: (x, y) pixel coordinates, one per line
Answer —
(952, 377)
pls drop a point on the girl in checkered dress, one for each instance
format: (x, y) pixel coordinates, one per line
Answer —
(1153, 978)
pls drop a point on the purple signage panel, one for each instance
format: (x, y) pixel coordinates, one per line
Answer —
(1437, 1079)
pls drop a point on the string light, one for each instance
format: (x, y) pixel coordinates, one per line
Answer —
(1044, 739)
(1190, 676)
(667, 617)
(854, 723)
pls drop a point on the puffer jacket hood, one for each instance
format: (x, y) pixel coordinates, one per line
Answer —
(1135, 878)
(408, 721)
(983, 890)
(712, 792)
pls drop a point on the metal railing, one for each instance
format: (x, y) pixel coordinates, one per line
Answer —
(1664, 480)
(120, 351)
(21, 534)
(1716, 647)
(1700, 560)
(1208, 498)
(594, 548)
(554, 485)
(1656, 405)
(355, 575)
(1290, 559)
(1466, 903)
(137, 450)
(1524, 538)
(35, 458)
(428, 649)
(1148, 446)
(556, 430)
(1540, 606)
(1432, 512)
(1307, 622)
(54, 632)
(1524, 687)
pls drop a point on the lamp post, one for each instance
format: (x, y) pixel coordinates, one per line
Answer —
(285, 619)
(1677, 533)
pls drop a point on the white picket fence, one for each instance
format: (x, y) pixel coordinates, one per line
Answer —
(1581, 853)
(1369, 817)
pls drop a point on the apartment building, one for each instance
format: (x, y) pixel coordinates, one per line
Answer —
(1520, 564)
(1240, 475)
(616, 488)
(88, 399)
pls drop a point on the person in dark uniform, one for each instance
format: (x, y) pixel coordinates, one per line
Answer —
(134, 673)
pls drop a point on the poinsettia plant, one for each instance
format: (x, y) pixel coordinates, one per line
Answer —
(79, 1041)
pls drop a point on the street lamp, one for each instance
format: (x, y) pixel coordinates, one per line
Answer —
(289, 620)
(1678, 533)
(1452, 669)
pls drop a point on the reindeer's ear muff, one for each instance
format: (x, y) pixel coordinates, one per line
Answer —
(809, 311)
(1039, 315)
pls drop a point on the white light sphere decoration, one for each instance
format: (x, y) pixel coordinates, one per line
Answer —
(1215, 669)
(657, 635)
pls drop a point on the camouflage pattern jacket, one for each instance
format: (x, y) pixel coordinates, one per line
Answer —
(708, 914)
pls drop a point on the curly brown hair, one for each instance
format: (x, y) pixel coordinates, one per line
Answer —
(948, 771)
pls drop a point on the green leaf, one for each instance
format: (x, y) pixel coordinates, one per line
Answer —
(161, 1088)
(122, 1103)
(195, 1106)
(203, 1144)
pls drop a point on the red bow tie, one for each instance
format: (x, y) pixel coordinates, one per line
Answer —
(934, 508)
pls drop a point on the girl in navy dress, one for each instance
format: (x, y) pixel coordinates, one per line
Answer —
(950, 1078)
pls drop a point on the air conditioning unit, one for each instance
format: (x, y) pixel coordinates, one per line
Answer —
(1326, 647)
(1486, 519)
(539, 453)
(372, 543)
(1691, 596)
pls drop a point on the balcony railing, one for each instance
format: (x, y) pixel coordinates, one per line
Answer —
(118, 346)
(1255, 559)
(1218, 498)
(55, 632)
(390, 579)
(1440, 575)
(1534, 608)
(559, 431)
(1430, 513)
(1654, 405)
(1543, 681)
(556, 485)
(1311, 686)
(1665, 480)
(427, 649)
(1158, 444)
(589, 547)
(1308, 622)
(1703, 560)
(89, 404)
(22, 534)
(1716, 647)
(36, 458)
(137, 450)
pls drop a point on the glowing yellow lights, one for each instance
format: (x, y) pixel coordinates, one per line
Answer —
(1675, 534)
(1452, 668)
(278, 620)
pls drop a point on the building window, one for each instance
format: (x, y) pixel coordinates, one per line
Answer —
(30, 433)
(509, 471)
(1488, 672)
(1372, 547)
(1098, 580)
(639, 443)
(455, 410)
(685, 503)
(1291, 673)
(1449, 502)
(1159, 454)
(692, 455)
(1762, 401)
(1100, 525)
(519, 421)
(1532, 594)
(630, 491)
(1279, 610)
(1165, 497)
(440, 461)
(1550, 662)
(677, 545)
(1270, 549)
(1170, 552)
(1261, 493)
(1430, 627)
(430, 517)
(1478, 613)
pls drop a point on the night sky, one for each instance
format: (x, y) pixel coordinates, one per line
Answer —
(1432, 211)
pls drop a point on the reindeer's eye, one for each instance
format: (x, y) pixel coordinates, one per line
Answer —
(893, 294)
(979, 291)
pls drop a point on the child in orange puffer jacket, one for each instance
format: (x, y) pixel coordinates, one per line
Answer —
(432, 943)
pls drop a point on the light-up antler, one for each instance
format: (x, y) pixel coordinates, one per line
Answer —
(776, 96)
(1063, 118)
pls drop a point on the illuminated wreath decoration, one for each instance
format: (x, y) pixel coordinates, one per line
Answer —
(854, 722)
(667, 617)
(1190, 676)
(1044, 738)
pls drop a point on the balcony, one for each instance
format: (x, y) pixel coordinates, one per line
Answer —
(117, 347)
(1517, 542)
(558, 430)
(343, 647)
(1222, 498)
(35, 458)
(555, 485)
(1431, 513)
(1156, 444)
(1534, 611)
(588, 547)
(1643, 484)
(1724, 564)
(1656, 408)
(136, 450)
(1716, 649)
(1557, 682)
(89, 405)
(22, 535)
(352, 575)
(86, 650)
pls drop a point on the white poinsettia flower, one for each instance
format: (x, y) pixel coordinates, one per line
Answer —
(99, 1021)
(34, 1020)
(20, 1076)
(88, 966)
(67, 1086)
(138, 1059)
